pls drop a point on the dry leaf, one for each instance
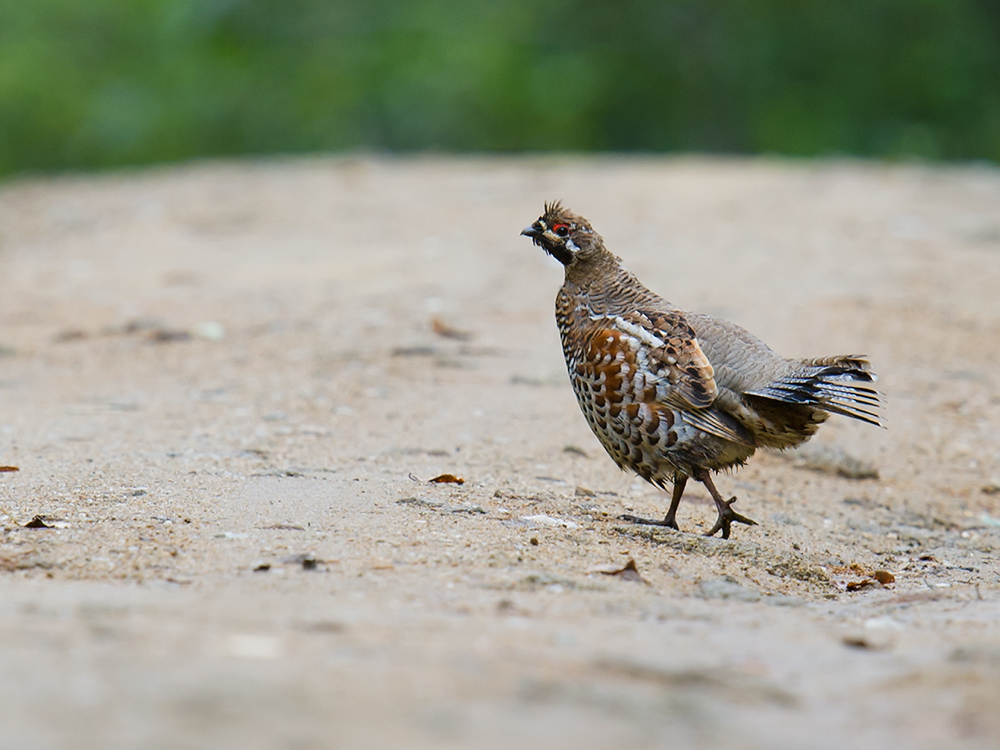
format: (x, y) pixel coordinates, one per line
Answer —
(628, 572)
(861, 584)
(307, 560)
(447, 479)
(861, 642)
(446, 331)
(863, 578)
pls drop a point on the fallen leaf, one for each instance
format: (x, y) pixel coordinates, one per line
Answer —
(861, 642)
(446, 331)
(447, 479)
(860, 584)
(862, 577)
(628, 572)
(307, 560)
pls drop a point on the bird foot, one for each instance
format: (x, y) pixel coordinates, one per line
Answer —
(726, 518)
(668, 522)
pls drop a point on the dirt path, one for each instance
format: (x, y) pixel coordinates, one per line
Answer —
(225, 387)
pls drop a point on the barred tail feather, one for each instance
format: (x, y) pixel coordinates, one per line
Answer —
(839, 385)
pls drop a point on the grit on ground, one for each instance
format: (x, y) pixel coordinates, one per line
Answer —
(226, 386)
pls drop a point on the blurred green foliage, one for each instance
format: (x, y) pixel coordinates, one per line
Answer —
(110, 82)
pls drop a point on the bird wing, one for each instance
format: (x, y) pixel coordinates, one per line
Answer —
(666, 347)
(674, 356)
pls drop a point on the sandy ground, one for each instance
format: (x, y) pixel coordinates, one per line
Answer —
(225, 387)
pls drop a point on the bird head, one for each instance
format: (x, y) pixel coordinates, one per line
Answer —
(563, 235)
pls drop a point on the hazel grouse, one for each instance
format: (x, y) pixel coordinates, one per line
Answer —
(674, 395)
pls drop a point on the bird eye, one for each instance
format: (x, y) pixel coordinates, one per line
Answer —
(561, 229)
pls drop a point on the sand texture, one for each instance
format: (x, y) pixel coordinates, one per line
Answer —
(226, 386)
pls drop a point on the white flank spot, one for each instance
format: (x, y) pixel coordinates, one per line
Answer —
(639, 332)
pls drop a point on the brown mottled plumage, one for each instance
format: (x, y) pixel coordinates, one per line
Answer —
(674, 395)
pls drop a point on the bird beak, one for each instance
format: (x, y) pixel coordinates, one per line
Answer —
(531, 232)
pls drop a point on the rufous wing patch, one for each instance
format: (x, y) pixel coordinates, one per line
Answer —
(677, 356)
(636, 361)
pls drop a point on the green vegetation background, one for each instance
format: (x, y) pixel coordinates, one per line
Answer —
(98, 83)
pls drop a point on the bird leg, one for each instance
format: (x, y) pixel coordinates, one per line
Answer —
(671, 519)
(726, 513)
